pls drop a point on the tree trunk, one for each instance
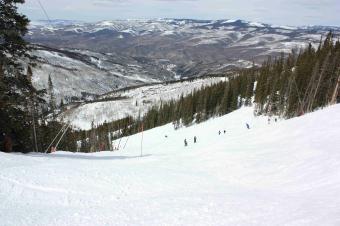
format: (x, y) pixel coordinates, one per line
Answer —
(336, 92)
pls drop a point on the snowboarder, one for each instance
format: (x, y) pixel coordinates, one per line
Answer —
(195, 139)
(248, 127)
(8, 144)
(185, 142)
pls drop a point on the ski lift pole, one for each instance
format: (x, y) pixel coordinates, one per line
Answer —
(56, 146)
(128, 136)
(120, 140)
(141, 144)
(126, 142)
(34, 128)
(62, 128)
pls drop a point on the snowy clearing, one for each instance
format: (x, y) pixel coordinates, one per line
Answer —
(285, 173)
(145, 97)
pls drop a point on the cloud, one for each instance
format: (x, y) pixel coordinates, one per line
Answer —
(111, 2)
(108, 2)
(176, 0)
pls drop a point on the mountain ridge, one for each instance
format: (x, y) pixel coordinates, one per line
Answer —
(133, 52)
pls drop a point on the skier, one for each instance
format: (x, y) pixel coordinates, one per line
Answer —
(195, 139)
(185, 142)
(53, 149)
(2, 137)
(219, 132)
(224, 132)
(248, 127)
(101, 147)
(8, 144)
(268, 121)
(275, 119)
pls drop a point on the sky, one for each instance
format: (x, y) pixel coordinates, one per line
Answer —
(278, 12)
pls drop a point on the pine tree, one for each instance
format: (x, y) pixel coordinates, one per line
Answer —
(52, 101)
(16, 87)
(61, 103)
(93, 138)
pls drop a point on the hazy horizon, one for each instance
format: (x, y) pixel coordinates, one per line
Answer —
(276, 12)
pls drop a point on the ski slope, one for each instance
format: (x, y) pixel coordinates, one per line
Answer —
(285, 173)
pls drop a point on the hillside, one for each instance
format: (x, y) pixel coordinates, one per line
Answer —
(81, 74)
(131, 102)
(285, 173)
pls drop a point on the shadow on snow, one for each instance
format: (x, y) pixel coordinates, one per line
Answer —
(83, 156)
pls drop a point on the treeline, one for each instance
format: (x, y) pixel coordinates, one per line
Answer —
(301, 82)
(286, 86)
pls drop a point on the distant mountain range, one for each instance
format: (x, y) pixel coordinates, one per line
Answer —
(86, 59)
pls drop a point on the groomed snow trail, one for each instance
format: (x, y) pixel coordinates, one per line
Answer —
(285, 173)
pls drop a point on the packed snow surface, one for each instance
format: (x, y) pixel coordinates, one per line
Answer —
(283, 173)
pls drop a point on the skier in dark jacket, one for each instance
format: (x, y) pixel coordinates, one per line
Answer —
(195, 139)
(2, 138)
(248, 127)
(8, 143)
(185, 142)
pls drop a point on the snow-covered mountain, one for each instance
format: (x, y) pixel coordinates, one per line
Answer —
(285, 173)
(121, 53)
(83, 74)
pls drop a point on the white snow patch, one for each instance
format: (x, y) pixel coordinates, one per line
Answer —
(256, 24)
